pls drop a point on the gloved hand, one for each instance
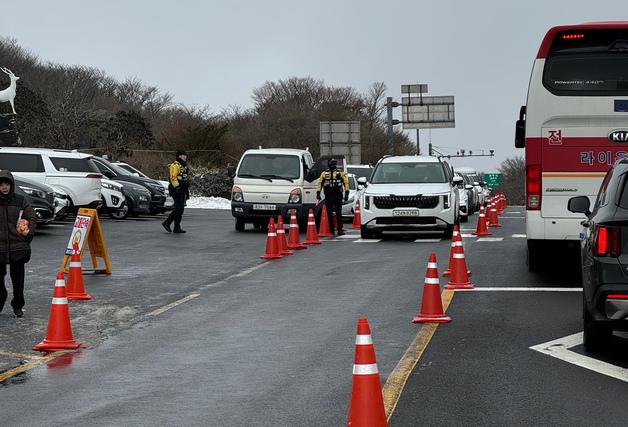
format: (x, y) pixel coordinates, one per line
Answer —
(346, 196)
(318, 196)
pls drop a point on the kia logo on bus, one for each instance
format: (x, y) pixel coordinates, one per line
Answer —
(618, 136)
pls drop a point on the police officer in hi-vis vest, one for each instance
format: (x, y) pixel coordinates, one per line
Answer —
(336, 185)
(178, 188)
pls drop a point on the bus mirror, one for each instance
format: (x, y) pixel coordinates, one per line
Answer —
(580, 204)
(520, 129)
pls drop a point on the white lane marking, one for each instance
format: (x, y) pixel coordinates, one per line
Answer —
(468, 236)
(514, 212)
(507, 289)
(560, 349)
(54, 225)
(467, 229)
(172, 305)
(367, 241)
(490, 239)
(427, 240)
(349, 236)
(519, 236)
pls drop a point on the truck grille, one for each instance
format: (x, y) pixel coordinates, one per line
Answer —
(392, 202)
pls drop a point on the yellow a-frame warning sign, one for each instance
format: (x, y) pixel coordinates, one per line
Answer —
(87, 230)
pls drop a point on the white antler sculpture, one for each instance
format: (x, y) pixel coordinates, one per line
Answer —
(8, 94)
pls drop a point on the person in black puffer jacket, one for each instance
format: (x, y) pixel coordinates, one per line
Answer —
(17, 227)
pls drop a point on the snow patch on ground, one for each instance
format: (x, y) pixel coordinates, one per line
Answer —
(209, 203)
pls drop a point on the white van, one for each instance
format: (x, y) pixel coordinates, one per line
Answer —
(272, 181)
(52, 167)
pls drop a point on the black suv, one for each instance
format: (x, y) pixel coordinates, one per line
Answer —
(116, 173)
(605, 257)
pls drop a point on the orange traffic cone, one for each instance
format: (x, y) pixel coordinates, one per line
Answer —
(454, 237)
(272, 245)
(500, 204)
(366, 407)
(459, 272)
(311, 236)
(59, 333)
(357, 218)
(482, 228)
(323, 229)
(76, 288)
(493, 218)
(294, 239)
(431, 303)
(281, 237)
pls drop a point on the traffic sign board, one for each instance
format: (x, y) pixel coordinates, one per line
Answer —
(492, 179)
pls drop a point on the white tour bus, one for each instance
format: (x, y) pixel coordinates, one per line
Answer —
(573, 128)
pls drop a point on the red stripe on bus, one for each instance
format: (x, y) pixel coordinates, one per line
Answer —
(551, 34)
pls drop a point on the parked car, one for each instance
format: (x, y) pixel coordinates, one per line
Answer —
(169, 203)
(40, 196)
(463, 200)
(604, 254)
(70, 171)
(410, 193)
(348, 207)
(114, 201)
(473, 203)
(116, 173)
(360, 171)
(471, 178)
(62, 204)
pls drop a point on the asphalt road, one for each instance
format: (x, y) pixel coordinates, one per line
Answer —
(251, 342)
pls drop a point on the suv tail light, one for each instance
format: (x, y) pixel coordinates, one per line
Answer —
(608, 241)
(533, 187)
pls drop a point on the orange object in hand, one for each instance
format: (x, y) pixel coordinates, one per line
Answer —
(22, 227)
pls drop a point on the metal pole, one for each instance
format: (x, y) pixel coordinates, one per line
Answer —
(418, 149)
(429, 148)
(389, 119)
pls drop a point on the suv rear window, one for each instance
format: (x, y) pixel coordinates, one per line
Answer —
(67, 164)
(408, 173)
(16, 162)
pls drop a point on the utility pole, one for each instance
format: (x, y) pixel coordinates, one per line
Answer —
(418, 149)
(429, 148)
(390, 122)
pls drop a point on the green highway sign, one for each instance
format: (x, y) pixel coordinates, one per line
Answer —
(493, 179)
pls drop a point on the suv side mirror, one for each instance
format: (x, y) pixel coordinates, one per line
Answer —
(362, 181)
(457, 180)
(477, 184)
(579, 204)
(520, 129)
(468, 187)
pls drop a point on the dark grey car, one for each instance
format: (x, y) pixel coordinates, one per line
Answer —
(605, 257)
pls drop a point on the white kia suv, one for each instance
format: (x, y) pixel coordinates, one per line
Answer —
(409, 193)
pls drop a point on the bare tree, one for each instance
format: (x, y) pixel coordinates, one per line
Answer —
(513, 171)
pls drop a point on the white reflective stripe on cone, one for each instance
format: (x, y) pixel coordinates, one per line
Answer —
(311, 223)
(272, 234)
(432, 281)
(60, 283)
(280, 231)
(60, 301)
(365, 369)
(363, 340)
(432, 265)
(458, 243)
(459, 256)
(75, 264)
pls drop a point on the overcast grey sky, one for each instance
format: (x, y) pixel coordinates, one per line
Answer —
(216, 52)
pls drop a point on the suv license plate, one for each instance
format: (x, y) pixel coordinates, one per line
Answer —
(264, 207)
(406, 213)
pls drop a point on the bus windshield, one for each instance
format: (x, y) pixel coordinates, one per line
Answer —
(590, 62)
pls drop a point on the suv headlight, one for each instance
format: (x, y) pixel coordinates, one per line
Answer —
(295, 196)
(109, 186)
(34, 192)
(446, 202)
(236, 195)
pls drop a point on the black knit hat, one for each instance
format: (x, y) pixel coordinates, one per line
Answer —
(181, 153)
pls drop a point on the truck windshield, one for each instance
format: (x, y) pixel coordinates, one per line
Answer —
(270, 166)
(408, 173)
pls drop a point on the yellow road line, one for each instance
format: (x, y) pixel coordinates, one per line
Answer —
(19, 355)
(397, 380)
(172, 305)
(29, 365)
